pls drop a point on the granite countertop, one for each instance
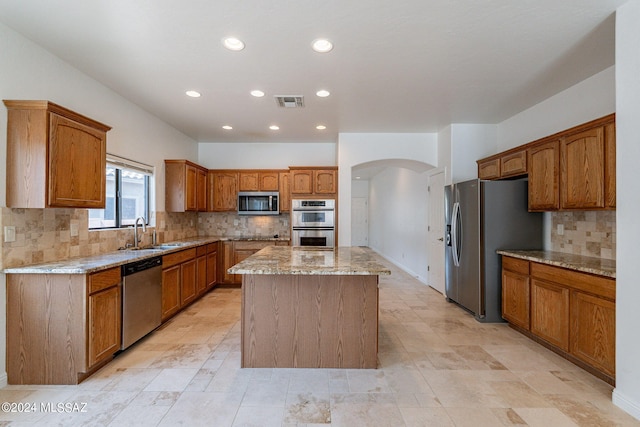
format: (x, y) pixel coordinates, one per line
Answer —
(92, 264)
(312, 261)
(585, 264)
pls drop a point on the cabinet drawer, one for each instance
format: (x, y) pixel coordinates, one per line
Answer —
(516, 265)
(596, 285)
(178, 257)
(104, 279)
(256, 245)
(201, 250)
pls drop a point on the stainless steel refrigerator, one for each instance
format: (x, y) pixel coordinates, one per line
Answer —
(482, 217)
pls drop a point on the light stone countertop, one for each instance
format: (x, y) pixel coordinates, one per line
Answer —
(585, 264)
(92, 264)
(312, 261)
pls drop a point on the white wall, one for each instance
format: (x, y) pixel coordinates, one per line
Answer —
(592, 98)
(627, 391)
(266, 155)
(30, 72)
(460, 145)
(398, 218)
(396, 184)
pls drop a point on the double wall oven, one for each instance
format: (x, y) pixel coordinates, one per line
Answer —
(313, 222)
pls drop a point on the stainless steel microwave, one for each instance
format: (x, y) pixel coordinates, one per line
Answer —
(258, 203)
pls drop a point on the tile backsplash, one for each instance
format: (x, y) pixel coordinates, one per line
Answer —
(44, 235)
(233, 225)
(591, 233)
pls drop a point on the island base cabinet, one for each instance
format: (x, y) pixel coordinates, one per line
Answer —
(309, 321)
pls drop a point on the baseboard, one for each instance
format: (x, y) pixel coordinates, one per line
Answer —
(3, 380)
(402, 267)
(626, 404)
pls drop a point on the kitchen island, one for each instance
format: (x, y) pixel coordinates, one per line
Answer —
(309, 307)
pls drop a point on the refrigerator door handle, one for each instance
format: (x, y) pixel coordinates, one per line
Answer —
(454, 234)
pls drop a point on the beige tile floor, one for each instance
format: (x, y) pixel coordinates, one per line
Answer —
(437, 367)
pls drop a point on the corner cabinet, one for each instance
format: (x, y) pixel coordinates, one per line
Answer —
(55, 157)
(61, 327)
(571, 312)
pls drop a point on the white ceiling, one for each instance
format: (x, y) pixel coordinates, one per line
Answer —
(397, 66)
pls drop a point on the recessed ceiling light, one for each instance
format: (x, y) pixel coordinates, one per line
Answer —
(257, 93)
(322, 45)
(321, 127)
(274, 127)
(323, 93)
(227, 127)
(193, 93)
(233, 43)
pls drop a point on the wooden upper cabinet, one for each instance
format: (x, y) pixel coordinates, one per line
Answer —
(325, 181)
(582, 170)
(301, 182)
(513, 164)
(258, 180)
(544, 163)
(248, 181)
(285, 191)
(610, 165)
(185, 186)
(319, 181)
(489, 169)
(55, 157)
(223, 191)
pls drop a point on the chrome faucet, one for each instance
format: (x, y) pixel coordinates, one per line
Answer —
(136, 241)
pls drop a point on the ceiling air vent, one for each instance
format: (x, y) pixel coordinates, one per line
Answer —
(290, 101)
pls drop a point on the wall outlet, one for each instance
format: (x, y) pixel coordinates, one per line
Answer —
(560, 229)
(73, 228)
(9, 233)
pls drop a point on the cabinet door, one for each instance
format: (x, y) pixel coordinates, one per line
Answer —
(582, 167)
(249, 181)
(269, 181)
(227, 262)
(201, 192)
(188, 278)
(550, 313)
(325, 181)
(515, 298)
(212, 269)
(544, 175)
(593, 331)
(301, 182)
(170, 291)
(238, 256)
(201, 277)
(191, 188)
(104, 324)
(77, 164)
(489, 169)
(223, 187)
(285, 192)
(513, 164)
(610, 165)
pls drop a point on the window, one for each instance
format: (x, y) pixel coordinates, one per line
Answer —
(127, 194)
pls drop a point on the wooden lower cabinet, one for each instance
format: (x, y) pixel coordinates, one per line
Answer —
(593, 331)
(188, 276)
(571, 312)
(236, 251)
(515, 292)
(550, 313)
(61, 327)
(170, 291)
(212, 265)
(201, 272)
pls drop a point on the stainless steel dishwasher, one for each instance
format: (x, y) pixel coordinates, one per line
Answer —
(141, 299)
